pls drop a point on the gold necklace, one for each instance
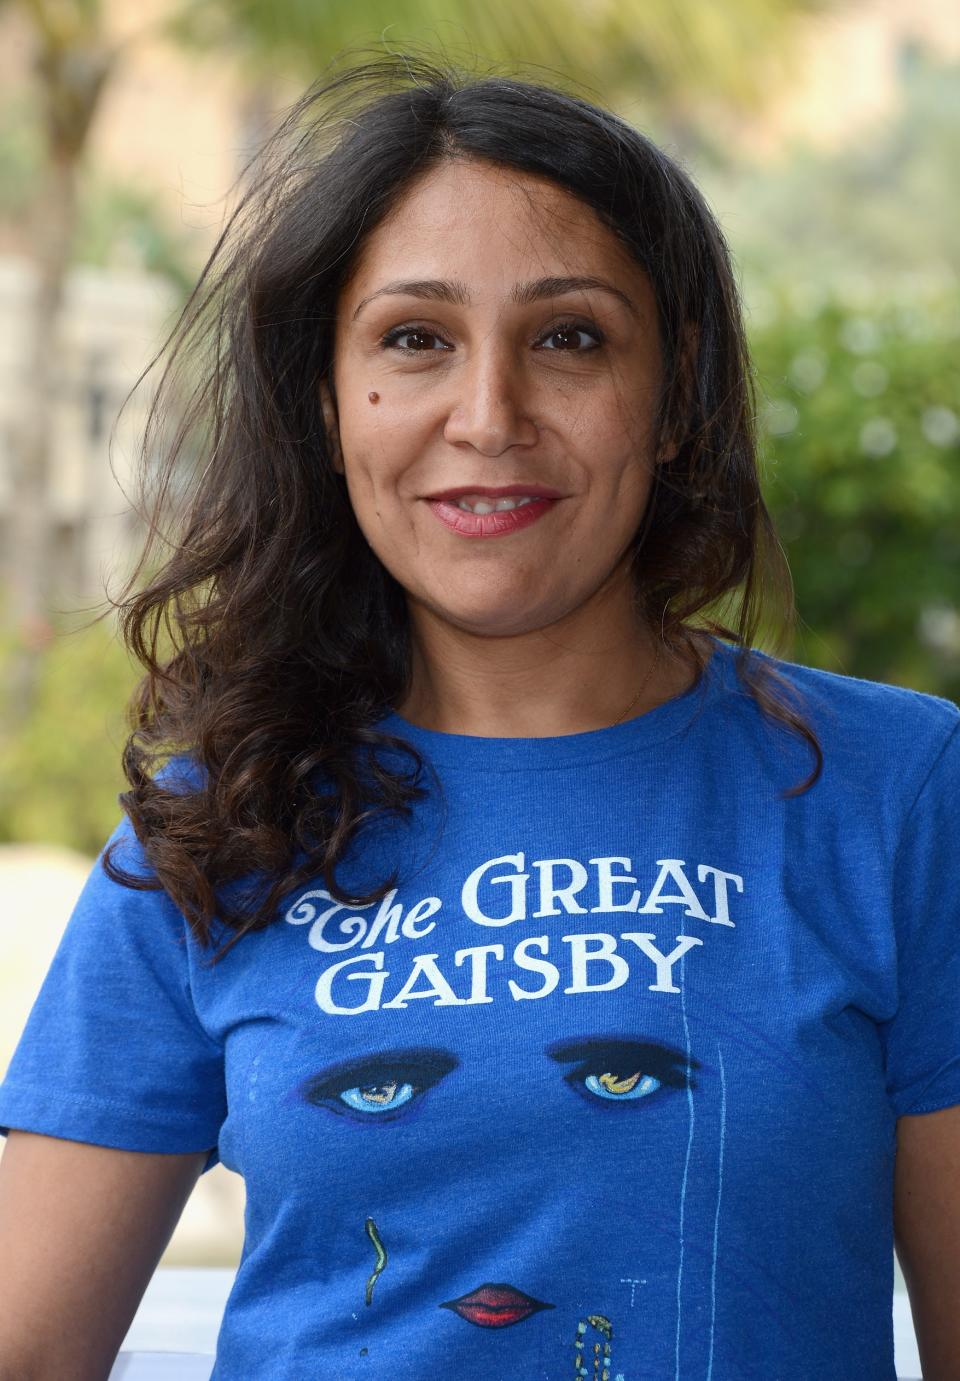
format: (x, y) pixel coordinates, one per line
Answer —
(646, 681)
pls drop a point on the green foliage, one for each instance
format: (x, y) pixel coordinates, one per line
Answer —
(60, 774)
(119, 224)
(667, 55)
(862, 444)
(124, 225)
(21, 151)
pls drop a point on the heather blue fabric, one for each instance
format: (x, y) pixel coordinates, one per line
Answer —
(608, 1084)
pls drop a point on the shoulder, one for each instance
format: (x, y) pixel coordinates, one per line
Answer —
(183, 774)
(124, 860)
(853, 702)
(880, 734)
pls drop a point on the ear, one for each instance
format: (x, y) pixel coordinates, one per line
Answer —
(330, 422)
(666, 451)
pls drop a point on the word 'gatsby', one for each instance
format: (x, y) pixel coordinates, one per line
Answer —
(504, 892)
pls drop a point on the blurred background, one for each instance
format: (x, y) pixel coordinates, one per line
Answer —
(824, 135)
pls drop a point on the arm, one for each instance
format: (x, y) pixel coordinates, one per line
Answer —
(927, 1234)
(82, 1228)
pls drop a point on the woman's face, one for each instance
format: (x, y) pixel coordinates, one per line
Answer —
(495, 335)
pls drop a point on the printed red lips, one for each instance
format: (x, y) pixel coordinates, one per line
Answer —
(495, 1306)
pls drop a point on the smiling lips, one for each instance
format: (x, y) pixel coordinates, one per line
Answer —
(489, 524)
(495, 1306)
(536, 501)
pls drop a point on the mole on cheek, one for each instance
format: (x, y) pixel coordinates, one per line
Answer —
(374, 397)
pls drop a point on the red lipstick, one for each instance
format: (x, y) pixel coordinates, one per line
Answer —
(489, 524)
(506, 491)
(495, 1306)
(444, 506)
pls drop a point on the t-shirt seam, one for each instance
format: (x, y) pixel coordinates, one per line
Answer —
(614, 754)
(183, 938)
(82, 1099)
(933, 1105)
(803, 669)
(937, 759)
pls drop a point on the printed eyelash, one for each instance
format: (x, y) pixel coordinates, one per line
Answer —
(418, 1069)
(670, 1068)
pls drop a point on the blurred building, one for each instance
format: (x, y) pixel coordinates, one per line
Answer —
(848, 74)
(110, 326)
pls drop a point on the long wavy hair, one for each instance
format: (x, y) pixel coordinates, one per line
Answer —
(272, 638)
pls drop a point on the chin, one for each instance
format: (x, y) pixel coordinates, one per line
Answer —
(504, 619)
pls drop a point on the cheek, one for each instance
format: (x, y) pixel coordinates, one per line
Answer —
(369, 465)
(380, 436)
(611, 427)
(374, 477)
(620, 466)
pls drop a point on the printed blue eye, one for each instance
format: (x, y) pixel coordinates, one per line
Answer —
(621, 1090)
(376, 1089)
(377, 1099)
(613, 1072)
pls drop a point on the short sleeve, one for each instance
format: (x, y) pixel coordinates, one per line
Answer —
(113, 1051)
(923, 1038)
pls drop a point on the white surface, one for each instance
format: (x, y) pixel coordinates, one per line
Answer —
(905, 1343)
(31, 932)
(182, 1308)
(180, 1311)
(161, 1366)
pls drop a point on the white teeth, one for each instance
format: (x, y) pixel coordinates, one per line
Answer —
(499, 506)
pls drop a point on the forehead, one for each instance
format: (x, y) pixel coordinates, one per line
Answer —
(482, 222)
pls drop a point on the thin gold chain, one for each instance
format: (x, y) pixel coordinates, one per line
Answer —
(646, 681)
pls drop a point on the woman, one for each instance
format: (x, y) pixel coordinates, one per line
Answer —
(561, 974)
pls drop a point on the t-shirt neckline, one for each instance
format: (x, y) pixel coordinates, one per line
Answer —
(470, 751)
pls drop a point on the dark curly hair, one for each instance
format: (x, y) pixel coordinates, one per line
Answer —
(272, 637)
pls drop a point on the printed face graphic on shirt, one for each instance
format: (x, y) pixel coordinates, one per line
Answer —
(615, 1076)
(524, 1132)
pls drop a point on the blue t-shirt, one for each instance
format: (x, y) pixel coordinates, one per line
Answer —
(605, 1087)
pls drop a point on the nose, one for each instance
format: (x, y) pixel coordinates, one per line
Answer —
(490, 406)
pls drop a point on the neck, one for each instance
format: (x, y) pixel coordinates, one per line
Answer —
(578, 674)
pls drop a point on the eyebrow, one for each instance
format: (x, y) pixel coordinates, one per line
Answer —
(452, 290)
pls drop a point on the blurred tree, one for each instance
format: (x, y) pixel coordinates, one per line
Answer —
(72, 63)
(861, 422)
(884, 205)
(677, 61)
(20, 154)
(60, 775)
(124, 223)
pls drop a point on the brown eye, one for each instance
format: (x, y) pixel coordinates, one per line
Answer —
(413, 339)
(570, 336)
